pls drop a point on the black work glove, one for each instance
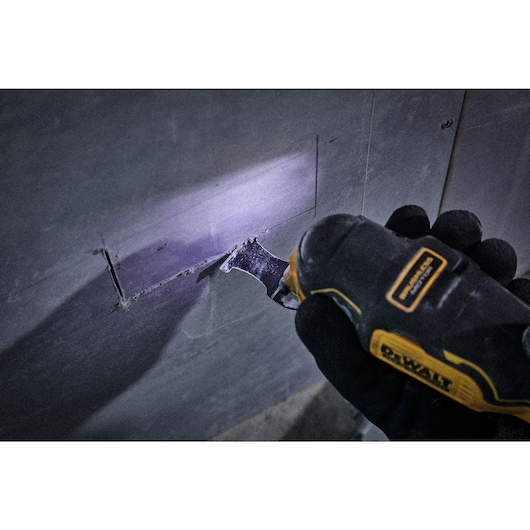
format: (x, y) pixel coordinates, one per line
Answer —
(400, 406)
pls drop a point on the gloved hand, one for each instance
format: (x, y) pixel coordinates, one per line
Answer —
(400, 406)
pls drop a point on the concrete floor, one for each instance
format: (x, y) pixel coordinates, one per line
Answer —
(317, 413)
(118, 205)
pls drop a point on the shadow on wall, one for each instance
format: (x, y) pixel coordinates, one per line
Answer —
(86, 353)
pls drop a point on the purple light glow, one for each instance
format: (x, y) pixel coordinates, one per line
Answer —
(236, 207)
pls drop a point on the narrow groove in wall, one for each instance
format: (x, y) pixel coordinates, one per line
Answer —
(126, 302)
(112, 270)
(451, 157)
(368, 152)
(316, 180)
(283, 222)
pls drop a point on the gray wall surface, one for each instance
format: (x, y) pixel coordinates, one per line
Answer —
(117, 207)
(490, 169)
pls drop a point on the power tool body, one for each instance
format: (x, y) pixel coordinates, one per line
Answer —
(420, 306)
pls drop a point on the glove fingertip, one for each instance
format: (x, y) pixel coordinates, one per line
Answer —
(459, 229)
(520, 287)
(497, 258)
(410, 221)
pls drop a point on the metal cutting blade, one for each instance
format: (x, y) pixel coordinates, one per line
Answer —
(252, 258)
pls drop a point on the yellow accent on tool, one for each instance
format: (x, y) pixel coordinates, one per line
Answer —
(410, 358)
